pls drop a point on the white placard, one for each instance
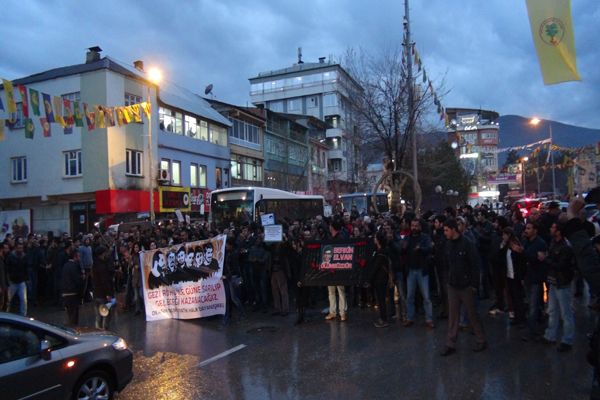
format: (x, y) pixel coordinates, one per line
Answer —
(179, 215)
(267, 219)
(327, 211)
(273, 233)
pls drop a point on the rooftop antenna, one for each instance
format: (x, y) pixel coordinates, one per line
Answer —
(300, 56)
(208, 90)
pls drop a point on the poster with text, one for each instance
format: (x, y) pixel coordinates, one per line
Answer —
(15, 222)
(184, 281)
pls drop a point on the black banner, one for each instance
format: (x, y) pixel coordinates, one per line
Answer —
(333, 263)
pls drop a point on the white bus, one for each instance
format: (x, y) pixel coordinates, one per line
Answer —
(246, 204)
(364, 202)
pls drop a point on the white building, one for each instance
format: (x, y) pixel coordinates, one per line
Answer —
(319, 90)
(70, 178)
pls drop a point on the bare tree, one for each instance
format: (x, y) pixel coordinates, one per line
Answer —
(385, 118)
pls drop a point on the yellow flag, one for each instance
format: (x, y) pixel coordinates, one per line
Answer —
(57, 102)
(11, 104)
(99, 117)
(554, 38)
(2, 137)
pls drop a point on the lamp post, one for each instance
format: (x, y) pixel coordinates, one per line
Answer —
(154, 75)
(535, 122)
(523, 161)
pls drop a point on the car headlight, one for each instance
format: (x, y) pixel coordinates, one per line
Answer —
(120, 344)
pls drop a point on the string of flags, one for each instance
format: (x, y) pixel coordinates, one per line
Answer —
(65, 112)
(427, 81)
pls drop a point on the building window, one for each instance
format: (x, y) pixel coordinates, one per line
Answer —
(330, 100)
(313, 101)
(197, 175)
(131, 99)
(295, 105)
(72, 162)
(176, 173)
(133, 162)
(19, 169)
(246, 168)
(218, 135)
(74, 96)
(276, 106)
(335, 165)
(191, 126)
(244, 131)
(170, 120)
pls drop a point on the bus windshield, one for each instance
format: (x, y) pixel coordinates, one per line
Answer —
(235, 206)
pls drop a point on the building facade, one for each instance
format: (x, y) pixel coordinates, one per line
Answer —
(473, 133)
(246, 138)
(68, 178)
(320, 90)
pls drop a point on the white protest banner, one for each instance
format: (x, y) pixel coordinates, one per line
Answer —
(184, 281)
(179, 215)
(267, 219)
(273, 233)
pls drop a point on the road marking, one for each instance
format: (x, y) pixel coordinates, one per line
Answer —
(221, 355)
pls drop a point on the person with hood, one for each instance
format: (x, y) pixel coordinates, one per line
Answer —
(72, 286)
(103, 274)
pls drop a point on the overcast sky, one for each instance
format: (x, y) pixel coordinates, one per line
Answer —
(482, 50)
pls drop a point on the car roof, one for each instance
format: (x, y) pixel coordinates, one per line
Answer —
(35, 324)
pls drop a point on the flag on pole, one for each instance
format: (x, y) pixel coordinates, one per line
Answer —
(77, 114)
(68, 117)
(9, 95)
(48, 107)
(554, 39)
(45, 126)
(24, 102)
(29, 128)
(34, 101)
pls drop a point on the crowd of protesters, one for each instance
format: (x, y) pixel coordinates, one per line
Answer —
(453, 259)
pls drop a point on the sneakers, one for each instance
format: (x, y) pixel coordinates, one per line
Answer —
(330, 316)
(381, 324)
(563, 347)
(480, 347)
(447, 351)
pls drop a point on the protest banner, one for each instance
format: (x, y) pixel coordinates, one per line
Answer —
(184, 281)
(273, 233)
(333, 262)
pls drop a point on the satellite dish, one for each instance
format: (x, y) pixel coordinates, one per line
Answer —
(208, 89)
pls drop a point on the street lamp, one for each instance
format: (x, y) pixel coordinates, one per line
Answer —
(523, 161)
(535, 122)
(154, 75)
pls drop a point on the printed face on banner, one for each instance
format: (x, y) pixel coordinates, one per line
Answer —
(184, 281)
(337, 257)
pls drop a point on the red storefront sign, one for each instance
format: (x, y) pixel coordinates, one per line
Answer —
(199, 197)
(124, 201)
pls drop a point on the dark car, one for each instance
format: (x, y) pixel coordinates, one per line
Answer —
(42, 361)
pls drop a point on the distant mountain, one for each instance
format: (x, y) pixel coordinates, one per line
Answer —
(516, 131)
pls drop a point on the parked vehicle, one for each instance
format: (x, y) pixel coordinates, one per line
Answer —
(43, 361)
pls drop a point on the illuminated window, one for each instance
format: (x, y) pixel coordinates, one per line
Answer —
(176, 173)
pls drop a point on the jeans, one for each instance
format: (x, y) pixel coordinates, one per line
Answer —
(260, 287)
(19, 289)
(536, 302)
(416, 278)
(559, 308)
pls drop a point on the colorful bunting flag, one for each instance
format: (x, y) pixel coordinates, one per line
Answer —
(48, 107)
(99, 116)
(147, 107)
(45, 126)
(57, 103)
(29, 128)
(120, 118)
(34, 101)
(68, 116)
(1, 104)
(127, 114)
(68, 130)
(109, 116)
(24, 102)
(77, 114)
(9, 95)
(2, 136)
(90, 119)
(136, 112)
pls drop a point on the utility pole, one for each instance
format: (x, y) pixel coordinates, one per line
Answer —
(411, 94)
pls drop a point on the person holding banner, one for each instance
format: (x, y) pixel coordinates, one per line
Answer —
(341, 306)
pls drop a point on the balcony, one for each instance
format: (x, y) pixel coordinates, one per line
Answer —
(335, 153)
(335, 132)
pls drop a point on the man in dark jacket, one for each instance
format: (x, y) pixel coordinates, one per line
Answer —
(4, 252)
(561, 270)
(103, 273)
(72, 286)
(417, 247)
(463, 261)
(534, 250)
(16, 268)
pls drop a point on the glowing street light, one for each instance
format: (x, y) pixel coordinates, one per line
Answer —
(154, 75)
(523, 161)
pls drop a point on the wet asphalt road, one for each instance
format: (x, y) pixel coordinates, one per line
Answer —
(347, 360)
